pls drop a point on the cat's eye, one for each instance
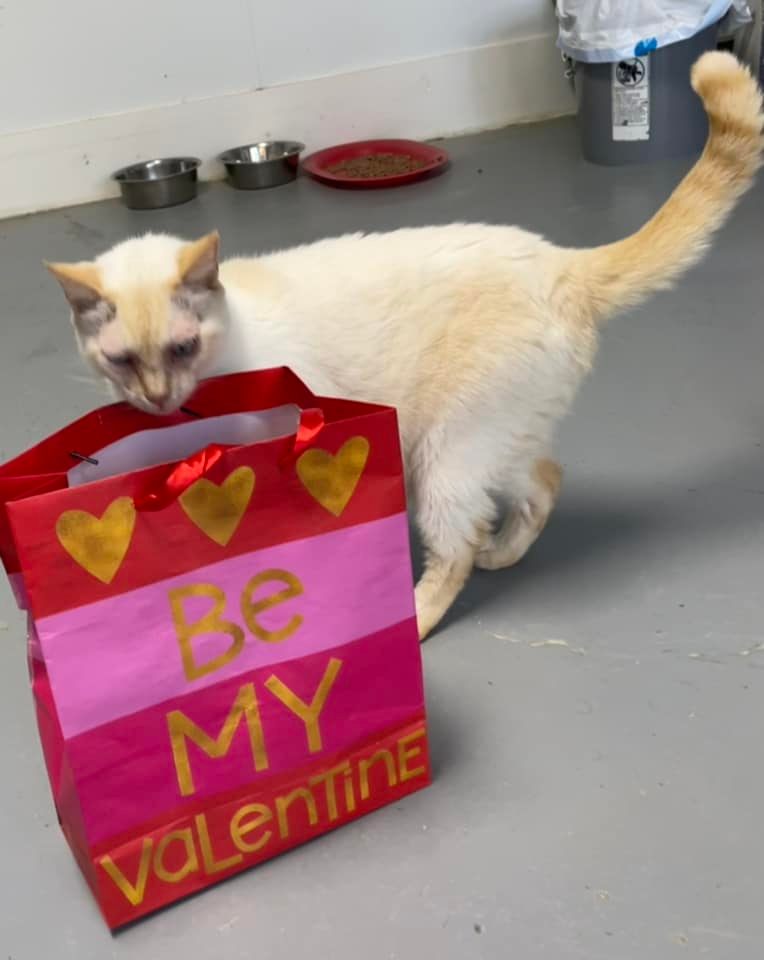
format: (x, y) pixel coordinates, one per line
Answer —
(120, 359)
(184, 350)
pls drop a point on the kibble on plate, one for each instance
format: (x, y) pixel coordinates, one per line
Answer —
(377, 165)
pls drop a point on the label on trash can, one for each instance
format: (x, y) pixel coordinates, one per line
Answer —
(631, 99)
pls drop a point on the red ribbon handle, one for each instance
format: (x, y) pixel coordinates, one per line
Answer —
(311, 424)
(180, 477)
(184, 474)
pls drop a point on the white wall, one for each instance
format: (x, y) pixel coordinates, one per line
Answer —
(347, 35)
(66, 62)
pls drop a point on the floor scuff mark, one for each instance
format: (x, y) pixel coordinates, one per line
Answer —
(758, 648)
(549, 642)
(554, 642)
(721, 934)
(507, 639)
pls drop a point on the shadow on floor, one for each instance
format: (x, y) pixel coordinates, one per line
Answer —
(584, 527)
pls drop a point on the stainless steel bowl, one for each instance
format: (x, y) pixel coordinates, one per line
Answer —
(158, 183)
(266, 164)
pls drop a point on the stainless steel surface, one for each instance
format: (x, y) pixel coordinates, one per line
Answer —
(266, 164)
(158, 183)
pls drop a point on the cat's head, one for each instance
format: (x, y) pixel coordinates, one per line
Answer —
(148, 315)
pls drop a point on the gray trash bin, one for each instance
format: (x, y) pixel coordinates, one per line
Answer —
(643, 108)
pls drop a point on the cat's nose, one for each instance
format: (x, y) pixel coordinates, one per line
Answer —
(156, 386)
(158, 397)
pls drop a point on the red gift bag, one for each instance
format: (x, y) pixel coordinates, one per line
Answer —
(222, 635)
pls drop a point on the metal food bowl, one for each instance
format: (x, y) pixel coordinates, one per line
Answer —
(266, 164)
(158, 183)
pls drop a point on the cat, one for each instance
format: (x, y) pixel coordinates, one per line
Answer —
(478, 335)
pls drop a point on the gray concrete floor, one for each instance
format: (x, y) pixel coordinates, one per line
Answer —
(597, 714)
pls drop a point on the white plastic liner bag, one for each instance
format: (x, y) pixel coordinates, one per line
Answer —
(604, 31)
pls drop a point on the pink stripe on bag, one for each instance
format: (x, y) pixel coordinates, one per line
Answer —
(118, 656)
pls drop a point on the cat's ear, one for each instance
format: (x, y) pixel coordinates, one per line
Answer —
(81, 283)
(198, 264)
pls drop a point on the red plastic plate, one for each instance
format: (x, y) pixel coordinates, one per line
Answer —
(317, 164)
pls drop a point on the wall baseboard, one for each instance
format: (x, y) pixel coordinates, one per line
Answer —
(461, 92)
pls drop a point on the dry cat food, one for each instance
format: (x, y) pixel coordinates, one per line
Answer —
(378, 165)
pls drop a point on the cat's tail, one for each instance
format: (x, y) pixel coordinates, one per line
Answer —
(599, 281)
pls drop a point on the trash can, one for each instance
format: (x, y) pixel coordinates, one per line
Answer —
(630, 61)
(642, 108)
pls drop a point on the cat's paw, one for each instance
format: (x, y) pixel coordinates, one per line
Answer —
(427, 615)
(496, 556)
(424, 625)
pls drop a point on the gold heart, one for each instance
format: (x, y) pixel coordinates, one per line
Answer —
(218, 510)
(332, 480)
(98, 545)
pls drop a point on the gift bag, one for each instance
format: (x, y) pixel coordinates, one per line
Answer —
(222, 637)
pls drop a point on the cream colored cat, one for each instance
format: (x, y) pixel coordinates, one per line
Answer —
(479, 335)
